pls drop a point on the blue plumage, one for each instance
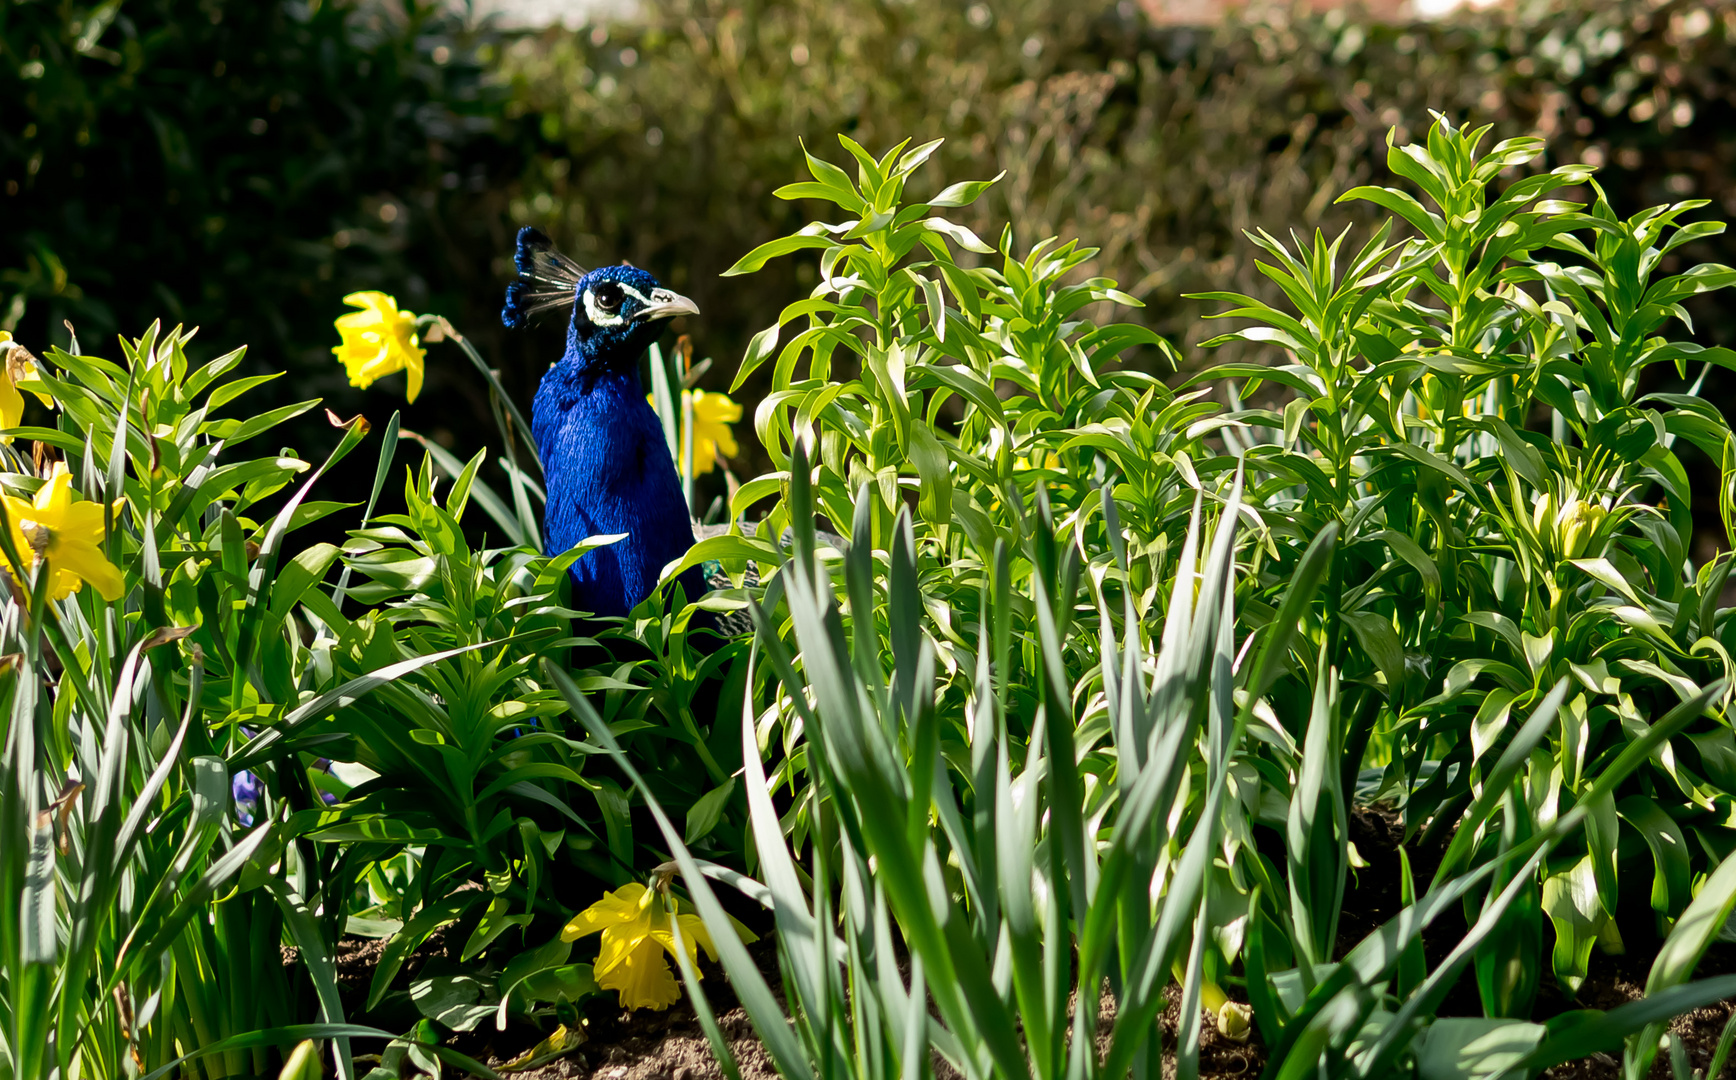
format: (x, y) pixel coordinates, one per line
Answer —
(607, 466)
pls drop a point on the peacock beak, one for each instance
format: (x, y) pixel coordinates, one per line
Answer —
(666, 305)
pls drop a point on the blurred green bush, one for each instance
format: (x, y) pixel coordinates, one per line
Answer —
(664, 141)
(240, 167)
(396, 149)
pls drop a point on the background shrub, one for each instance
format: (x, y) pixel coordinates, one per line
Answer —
(240, 167)
(1160, 144)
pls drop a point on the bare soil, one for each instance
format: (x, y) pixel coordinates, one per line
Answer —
(646, 1045)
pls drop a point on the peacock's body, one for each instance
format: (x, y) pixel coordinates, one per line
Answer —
(606, 465)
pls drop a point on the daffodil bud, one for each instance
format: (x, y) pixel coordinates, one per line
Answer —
(1430, 398)
(1234, 1019)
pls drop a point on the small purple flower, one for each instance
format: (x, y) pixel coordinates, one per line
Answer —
(247, 791)
(325, 765)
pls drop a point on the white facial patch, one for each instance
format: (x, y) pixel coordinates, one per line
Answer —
(599, 317)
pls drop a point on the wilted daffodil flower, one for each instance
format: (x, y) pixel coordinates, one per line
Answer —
(636, 933)
(379, 340)
(712, 415)
(66, 535)
(17, 367)
(1235, 1020)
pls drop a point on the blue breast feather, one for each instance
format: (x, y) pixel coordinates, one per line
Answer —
(609, 471)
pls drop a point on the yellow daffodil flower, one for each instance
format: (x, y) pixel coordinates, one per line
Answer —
(636, 933)
(712, 415)
(17, 369)
(379, 340)
(66, 535)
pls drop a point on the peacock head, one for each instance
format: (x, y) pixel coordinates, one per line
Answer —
(617, 311)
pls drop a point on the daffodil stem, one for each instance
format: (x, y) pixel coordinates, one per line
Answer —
(1212, 996)
(494, 384)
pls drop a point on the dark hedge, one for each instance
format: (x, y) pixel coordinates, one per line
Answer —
(240, 167)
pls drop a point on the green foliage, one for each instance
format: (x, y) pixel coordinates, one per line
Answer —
(661, 141)
(1159, 144)
(1037, 885)
(1493, 562)
(1508, 633)
(914, 367)
(1092, 690)
(118, 829)
(156, 907)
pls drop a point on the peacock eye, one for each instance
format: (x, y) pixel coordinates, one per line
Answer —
(608, 296)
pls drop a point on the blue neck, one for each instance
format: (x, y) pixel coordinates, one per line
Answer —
(609, 471)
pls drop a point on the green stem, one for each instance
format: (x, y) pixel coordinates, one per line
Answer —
(494, 384)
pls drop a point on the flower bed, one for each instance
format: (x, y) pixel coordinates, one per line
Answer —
(1085, 685)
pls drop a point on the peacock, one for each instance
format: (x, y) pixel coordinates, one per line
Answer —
(606, 464)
